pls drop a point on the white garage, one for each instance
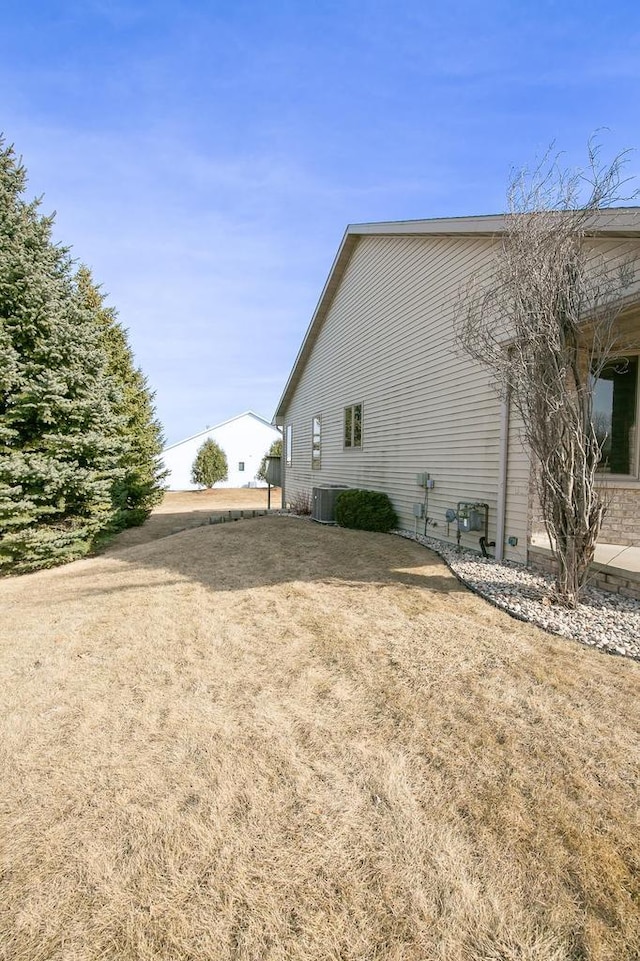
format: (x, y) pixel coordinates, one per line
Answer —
(245, 439)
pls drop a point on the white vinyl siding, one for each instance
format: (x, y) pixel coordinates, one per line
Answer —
(387, 343)
(518, 480)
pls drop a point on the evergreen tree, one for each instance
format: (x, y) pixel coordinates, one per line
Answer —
(60, 436)
(140, 487)
(210, 465)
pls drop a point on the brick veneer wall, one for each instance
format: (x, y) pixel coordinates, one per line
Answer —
(621, 522)
(621, 526)
(612, 579)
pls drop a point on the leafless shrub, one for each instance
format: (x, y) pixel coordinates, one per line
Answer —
(545, 325)
(300, 503)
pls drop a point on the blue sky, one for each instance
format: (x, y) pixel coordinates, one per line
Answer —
(204, 158)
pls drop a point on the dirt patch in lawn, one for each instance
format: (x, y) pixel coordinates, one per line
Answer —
(275, 740)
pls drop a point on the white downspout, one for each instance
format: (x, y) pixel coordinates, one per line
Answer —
(279, 423)
(501, 505)
(283, 469)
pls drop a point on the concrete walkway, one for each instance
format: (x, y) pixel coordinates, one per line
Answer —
(612, 556)
(623, 558)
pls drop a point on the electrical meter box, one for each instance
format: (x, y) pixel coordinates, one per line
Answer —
(470, 519)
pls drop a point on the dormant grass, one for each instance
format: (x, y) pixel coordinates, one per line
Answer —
(183, 510)
(273, 740)
(218, 498)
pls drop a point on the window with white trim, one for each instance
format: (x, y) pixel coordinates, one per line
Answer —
(316, 442)
(353, 426)
(288, 444)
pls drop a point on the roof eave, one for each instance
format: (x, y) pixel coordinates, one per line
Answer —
(615, 222)
(340, 262)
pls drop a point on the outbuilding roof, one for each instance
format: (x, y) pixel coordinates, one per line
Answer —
(207, 430)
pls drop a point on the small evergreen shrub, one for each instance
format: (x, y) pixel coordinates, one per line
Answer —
(210, 465)
(365, 511)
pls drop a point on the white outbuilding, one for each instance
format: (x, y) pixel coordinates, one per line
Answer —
(245, 439)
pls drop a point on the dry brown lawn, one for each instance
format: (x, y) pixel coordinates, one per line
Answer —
(275, 740)
(217, 499)
(184, 510)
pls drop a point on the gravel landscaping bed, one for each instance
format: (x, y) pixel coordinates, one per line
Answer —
(606, 621)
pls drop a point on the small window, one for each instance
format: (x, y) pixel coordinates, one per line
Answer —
(241, 465)
(614, 415)
(288, 443)
(353, 426)
(316, 454)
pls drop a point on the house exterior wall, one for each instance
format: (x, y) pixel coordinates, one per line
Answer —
(621, 522)
(517, 501)
(244, 439)
(388, 343)
(622, 519)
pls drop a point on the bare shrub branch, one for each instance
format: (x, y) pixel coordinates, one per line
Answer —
(545, 325)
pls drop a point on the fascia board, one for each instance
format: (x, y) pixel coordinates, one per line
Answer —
(338, 267)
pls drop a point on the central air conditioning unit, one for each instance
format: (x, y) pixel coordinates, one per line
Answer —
(323, 507)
